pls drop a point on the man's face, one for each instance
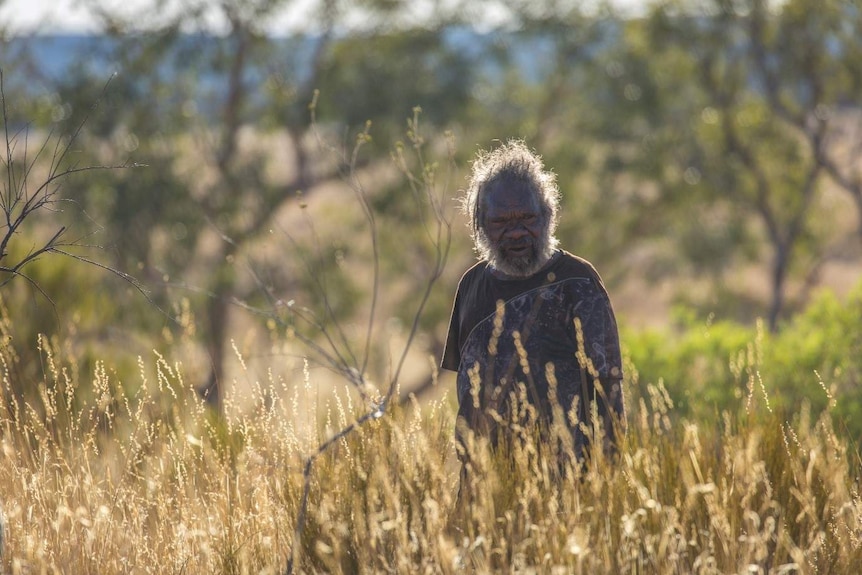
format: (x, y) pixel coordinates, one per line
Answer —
(516, 229)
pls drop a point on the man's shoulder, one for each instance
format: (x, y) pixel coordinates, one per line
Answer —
(475, 271)
(575, 266)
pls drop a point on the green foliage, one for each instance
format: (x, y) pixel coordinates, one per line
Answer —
(817, 358)
(721, 115)
(693, 363)
(382, 77)
(712, 366)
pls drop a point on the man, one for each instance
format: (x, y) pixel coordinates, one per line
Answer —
(532, 325)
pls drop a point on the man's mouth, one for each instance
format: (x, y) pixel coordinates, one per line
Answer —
(518, 250)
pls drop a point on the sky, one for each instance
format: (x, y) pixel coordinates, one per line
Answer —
(32, 15)
(53, 16)
(44, 16)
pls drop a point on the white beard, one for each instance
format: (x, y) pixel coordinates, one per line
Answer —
(519, 267)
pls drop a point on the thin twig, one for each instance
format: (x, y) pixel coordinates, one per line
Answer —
(441, 242)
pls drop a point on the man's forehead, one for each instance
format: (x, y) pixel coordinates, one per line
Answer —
(509, 194)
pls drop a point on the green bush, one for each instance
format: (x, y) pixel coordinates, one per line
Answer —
(712, 366)
(817, 358)
(695, 361)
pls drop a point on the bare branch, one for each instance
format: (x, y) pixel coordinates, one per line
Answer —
(20, 205)
(424, 191)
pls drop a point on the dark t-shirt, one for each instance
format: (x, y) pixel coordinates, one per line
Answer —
(538, 315)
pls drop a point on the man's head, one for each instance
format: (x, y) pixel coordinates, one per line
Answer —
(512, 203)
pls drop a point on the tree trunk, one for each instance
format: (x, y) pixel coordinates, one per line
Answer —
(218, 315)
(779, 280)
(857, 199)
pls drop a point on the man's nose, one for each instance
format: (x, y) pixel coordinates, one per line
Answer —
(517, 231)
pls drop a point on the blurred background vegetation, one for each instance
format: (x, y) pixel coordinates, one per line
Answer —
(709, 153)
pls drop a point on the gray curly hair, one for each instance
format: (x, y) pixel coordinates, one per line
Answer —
(511, 163)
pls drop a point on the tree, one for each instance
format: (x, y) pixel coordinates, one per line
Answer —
(182, 102)
(726, 116)
(25, 203)
(807, 57)
(204, 112)
(381, 76)
(39, 221)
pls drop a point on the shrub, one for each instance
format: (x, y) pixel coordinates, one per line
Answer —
(708, 367)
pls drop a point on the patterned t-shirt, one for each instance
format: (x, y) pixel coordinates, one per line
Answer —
(494, 349)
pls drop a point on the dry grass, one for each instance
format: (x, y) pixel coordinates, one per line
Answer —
(106, 476)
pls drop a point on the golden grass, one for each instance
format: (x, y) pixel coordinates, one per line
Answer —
(105, 476)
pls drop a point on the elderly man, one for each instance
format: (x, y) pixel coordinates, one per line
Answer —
(532, 325)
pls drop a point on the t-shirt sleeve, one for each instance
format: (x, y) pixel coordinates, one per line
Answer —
(452, 351)
(614, 367)
(608, 333)
(613, 373)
